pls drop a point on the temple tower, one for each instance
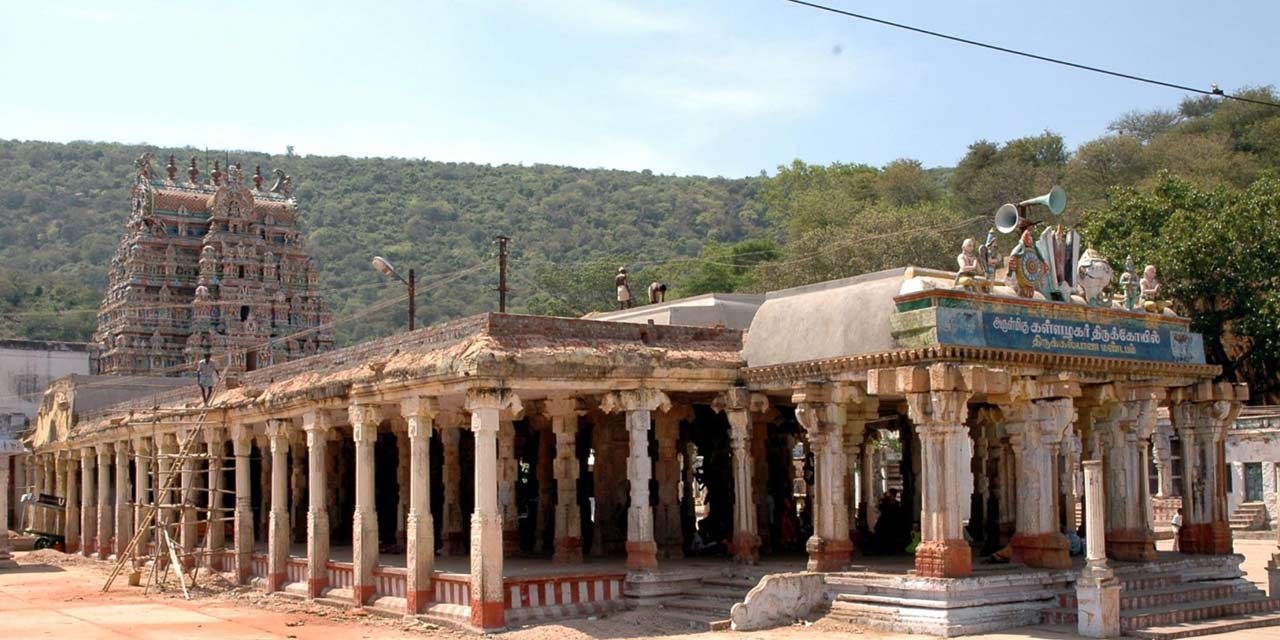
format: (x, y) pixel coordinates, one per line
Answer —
(210, 265)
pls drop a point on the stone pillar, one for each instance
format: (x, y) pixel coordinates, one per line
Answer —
(546, 488)
(667, 530)
(1122, 421)
(142, 452)
(642, 550)
(564, 414)
(452, 532)
(165, 450)
(242, 447)
(216, 533)
(1202, 414)
(857, 415)
(298, 479)
(1036, 429)
(88, 502)
(71, 532)
(737, 405)
(419, 412)
(487, 407)
(6, 545)
(403, 462)
(364, 535)
(1162, 452)
(821, 412)
(760, 474)
(124, 510)
(1071, 455)
(318, 427)
(37, 519)
(1097, 588)
(60, 488)
(508, 470)
(868, 478)
(278, 527)
(106, 515)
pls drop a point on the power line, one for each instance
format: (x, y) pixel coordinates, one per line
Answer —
(1215, 91)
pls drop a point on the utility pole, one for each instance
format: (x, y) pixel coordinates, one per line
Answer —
(502, 272)
(412, 302)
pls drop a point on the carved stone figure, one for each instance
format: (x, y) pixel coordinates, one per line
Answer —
(283, 183)
(970, 268)
(1028, 267)
(1094, 275)
(987, 255)
(1150, 291)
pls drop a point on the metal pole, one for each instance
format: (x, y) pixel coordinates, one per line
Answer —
(412, 308)
(502, 273)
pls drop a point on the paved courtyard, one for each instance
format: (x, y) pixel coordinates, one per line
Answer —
(55, 596)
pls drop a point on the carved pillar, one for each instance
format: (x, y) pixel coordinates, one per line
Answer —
(487, 407)
(1162, 452)
(945, 451)
(508, 472)
(1202, 414)
(124, 510)
(736, 404)
(1036, 429)
(242, 532)
(216, 534)
(667, 531)
(71, 532)
(364, 534)
(564, 414)
(820, 410)
(1123, 419)
(106, 515)
(869, 479)
(642, 551)
(278, 529)
(318, 426)
(1071, 455)
(858, 413)
(453, 537)
(88, 502)
(418, 413)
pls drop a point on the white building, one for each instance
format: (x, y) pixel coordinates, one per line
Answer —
(1253, 453)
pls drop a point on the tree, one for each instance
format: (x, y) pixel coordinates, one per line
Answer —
(1145, 125)
(904, 182)
(1218, 253)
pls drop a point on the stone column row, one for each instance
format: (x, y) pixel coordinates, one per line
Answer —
(1201, 414)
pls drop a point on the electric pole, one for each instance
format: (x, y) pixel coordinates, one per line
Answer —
(412, 303)
(502, 272)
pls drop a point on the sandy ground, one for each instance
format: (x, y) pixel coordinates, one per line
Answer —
(57, 596)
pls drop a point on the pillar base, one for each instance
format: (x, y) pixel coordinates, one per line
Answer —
(1212, 538)
(671, 551)
(568, 551)
(362, 593)
(828, 555)
(488, 616)
(416, 601)
(945, 559)
(454, 543)
(1098, 609)
(1273, 576)
(1131, 545)
(642, 555)
(1045, 550)
(244, 576)
(316, 587)
(275, 581)
(746, 548)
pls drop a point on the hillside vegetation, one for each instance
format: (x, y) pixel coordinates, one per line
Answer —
(1193, 190)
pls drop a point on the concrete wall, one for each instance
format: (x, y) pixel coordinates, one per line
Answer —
(28, 366)
(1255, 438)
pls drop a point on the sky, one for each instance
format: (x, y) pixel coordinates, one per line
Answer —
(707, 87)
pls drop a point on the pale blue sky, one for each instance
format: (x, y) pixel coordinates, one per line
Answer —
(719, 87)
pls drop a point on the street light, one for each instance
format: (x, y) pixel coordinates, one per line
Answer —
(382, 265)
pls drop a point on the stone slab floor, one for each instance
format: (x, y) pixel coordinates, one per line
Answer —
(55, 596)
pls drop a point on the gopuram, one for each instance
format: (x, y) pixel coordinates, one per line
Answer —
(504, 469)
(209, 266)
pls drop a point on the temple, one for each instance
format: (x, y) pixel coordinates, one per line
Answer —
(504, 469)
(209, 266)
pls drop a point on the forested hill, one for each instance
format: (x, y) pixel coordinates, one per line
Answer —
(63, 209)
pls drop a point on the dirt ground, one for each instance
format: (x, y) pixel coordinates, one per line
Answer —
(52, 595)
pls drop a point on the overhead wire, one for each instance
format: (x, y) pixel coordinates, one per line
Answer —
(1034, 56)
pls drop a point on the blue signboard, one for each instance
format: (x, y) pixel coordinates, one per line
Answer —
(1068, 337)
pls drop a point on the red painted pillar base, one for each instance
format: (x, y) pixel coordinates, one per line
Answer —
(1211, 538)
(361, 594)
(244, 576)
(568, 551)
(642, 555)
(416, 601)
(746, 548)
(828, 555)
(1044, 550)
(488, 616)
(104, 551)
(316, 587)
(946, 559)
(275, 582)
(1130, 545)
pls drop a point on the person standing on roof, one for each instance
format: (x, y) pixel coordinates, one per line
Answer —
(206, 377)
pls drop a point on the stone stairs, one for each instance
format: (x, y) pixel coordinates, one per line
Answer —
(707, 608)
(1249, 516)
(1162, 605)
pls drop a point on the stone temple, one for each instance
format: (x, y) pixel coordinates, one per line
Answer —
(210, 266)
(504, 469)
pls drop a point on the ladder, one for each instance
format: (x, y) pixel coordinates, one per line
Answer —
(164, 542)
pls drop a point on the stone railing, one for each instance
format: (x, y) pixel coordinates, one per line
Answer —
(780, 598)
